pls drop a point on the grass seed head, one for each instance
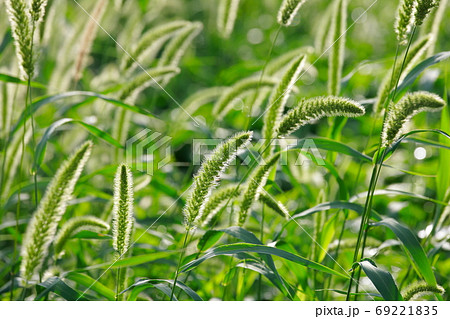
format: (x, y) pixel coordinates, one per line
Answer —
(313, 109)
(288, 10)
(42, 227)
(400, 113)
(405, 20)
(256, 182)
(123, 219)
(209, 174)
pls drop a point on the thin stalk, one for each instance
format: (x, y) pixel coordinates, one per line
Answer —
(179, 264)
(380, 164)
(19, 192)
(30, 112)
(117, 283)
(363, 231)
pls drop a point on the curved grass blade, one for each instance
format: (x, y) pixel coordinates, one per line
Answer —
(59, 287)
(416, 71)
(12, 79)
(413, 247)
(43, 100)
(147, 283)
(335, 205)
(382, 280)
(232, 249)
(93, 284)
(42, 146)
(238, 90)
(338, 147)
(226, 16)
(381, 192)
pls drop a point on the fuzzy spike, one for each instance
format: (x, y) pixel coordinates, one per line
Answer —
(278, 100)
(42, 227)
(288, 10)
(419, 289)
(226, 16)
(405, 20)
(176, 48)
(423, 9)
(208, 176)
(216, 202)
(275, 205)
(338, 35)
(152, 41)
(37, 11)
(123, 220)
(19, 17)
(399, 114)
(257, 180)
(313, 109)
(132, 89)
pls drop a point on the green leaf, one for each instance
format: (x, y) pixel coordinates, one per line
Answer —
(12, 79)
(413, 75)
(326, 236)
(380, 192)
(132, 261)
(93, 284)
(42, 146)
(43, 100)
(382, 280)
(147, 283)
(209, 239)
(266, 272)
(260, 249)
(138, 260)
(248, 237)
(87, 234)
(413, 247)
(59, 287)
(335, 205)
(334, 146)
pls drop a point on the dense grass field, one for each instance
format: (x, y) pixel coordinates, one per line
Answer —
(224, 150)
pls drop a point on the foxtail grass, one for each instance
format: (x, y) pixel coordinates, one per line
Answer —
(432, 25)
(423, 8)
(278, 100)
(215, 203)
(151, 42)
(209, 174)
(87, 39)
(256, 182)
(19, 17)
(400, 113)
(177, 47)
(336, 57)
(123, 221)
(313, 109)
(42, 227)
(405, 20)
(420, 289)
(226, 16)
(288, 10)
(274, 204)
